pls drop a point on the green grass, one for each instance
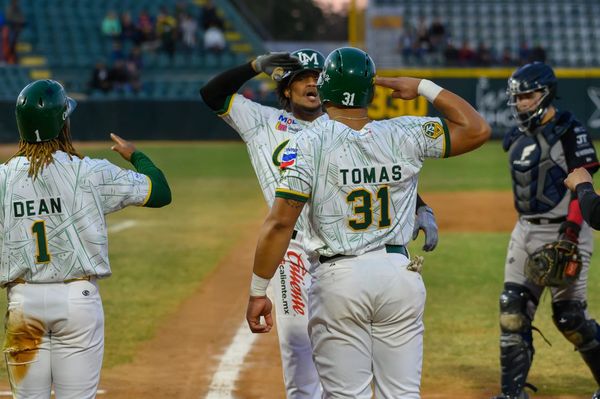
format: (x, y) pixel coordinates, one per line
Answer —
(484, 169)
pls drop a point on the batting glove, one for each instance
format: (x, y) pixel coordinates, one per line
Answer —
(425, 220)
(268, 63)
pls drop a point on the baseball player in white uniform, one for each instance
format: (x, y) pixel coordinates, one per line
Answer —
(53, 245)
(359, 178)
(266, 131)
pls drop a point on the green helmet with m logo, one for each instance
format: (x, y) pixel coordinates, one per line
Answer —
(310, 60)
(347, 78)
(42, 110)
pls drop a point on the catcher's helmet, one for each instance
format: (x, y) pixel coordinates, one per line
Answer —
(347, 78)
(42, 109)
(536, 76)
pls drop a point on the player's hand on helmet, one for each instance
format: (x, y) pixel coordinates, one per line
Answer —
(259, 306)
(268, 63)
(425, 220)
(404, 88)
(577, 176)
(123, 147)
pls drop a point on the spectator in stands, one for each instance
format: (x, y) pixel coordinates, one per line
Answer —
(483, 55)
(538, 53)
(166, 30)
(8, 55)
(422, 35)
(111, 26)
(116, 53)
(15, 20)
(135, 57)
(407, 42)
(188, 28)
(145, 25)
(466, 55)
(129, 31)
(210, 17)
(437, 35)
(214, 40)
(119, 77)
(524, 53)
(451, 54)
(100, 78)
(506, 59)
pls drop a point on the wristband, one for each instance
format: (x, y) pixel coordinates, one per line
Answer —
(258, 286)
(429, 90)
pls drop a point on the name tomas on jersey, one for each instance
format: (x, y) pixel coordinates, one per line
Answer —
(379, 174)
(49, 206)
(288, 158)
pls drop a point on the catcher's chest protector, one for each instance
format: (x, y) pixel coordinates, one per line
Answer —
(538, 168)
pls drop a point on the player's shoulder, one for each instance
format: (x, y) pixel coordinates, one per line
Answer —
(244, 103)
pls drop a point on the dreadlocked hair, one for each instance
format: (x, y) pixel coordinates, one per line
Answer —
(39, 155)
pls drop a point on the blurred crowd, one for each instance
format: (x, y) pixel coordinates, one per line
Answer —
(167, 32)
(433, 42)
(12, 22)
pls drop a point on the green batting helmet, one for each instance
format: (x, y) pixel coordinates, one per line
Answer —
(347, 78)
(42, 109)
(310, 59)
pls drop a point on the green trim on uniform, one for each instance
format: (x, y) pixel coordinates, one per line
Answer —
(291, 195)
(160, 193)
(447, 148)
(226, 106)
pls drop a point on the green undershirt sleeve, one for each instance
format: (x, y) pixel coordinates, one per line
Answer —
(160, 193)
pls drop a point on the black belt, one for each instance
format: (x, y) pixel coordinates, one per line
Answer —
(294, 234)
(546, 220)
(390, 249)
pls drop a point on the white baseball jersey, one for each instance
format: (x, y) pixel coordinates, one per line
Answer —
(53, 228)
(266, 132)
(362, 185)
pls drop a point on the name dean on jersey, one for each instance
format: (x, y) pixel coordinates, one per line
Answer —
(37, 207)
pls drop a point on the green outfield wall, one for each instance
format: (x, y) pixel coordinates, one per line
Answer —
(578, 90)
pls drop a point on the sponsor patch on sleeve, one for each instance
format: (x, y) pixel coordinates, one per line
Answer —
(289, 158)
(432, 129)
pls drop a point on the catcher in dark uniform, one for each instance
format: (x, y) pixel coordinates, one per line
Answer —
(550, 245)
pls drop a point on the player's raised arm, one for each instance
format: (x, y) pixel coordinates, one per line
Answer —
(216, 91)
(468, 129)
(160, 192)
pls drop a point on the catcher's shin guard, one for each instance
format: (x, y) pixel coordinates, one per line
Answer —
(516, 341)
(569, 317)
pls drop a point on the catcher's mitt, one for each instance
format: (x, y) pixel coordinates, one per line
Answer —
(556, 264)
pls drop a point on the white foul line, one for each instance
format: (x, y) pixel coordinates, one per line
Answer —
(124, 225)
(224, 379)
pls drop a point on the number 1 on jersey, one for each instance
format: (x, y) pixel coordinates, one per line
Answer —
(39, 230)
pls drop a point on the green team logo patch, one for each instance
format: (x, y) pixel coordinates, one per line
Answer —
(432, 129)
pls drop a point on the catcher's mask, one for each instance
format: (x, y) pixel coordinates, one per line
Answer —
(533, 77)
(311, 60)
(347, 78)
(42, 110)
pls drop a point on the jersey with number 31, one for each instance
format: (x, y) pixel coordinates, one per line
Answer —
(53, 228)
(361, 185)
